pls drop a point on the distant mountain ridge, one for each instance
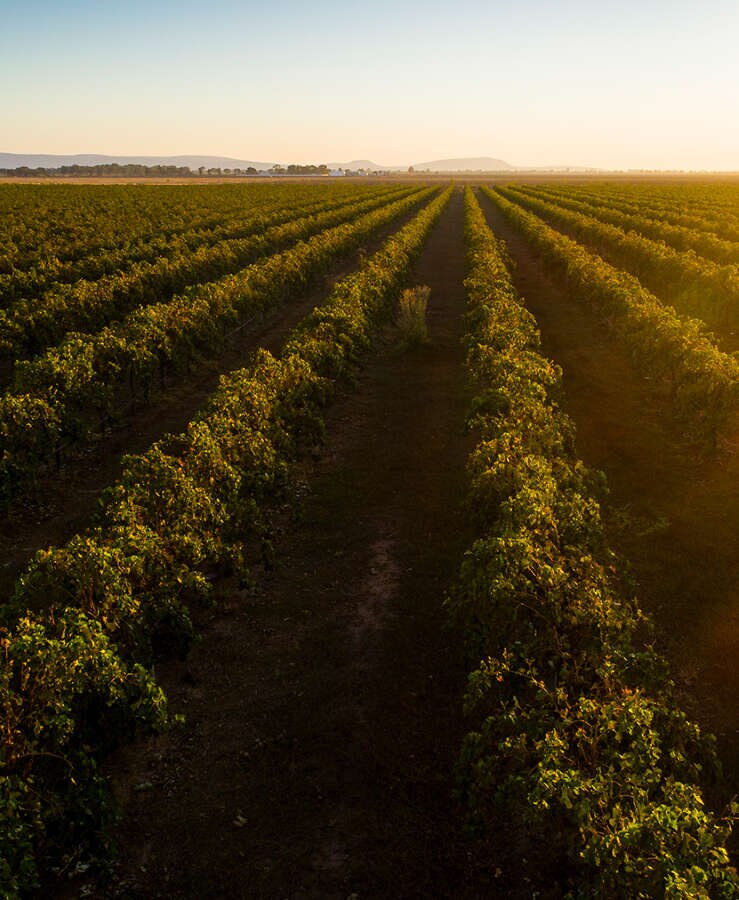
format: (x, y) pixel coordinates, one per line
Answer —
(354, 165)
(466, 164)
(54, 161)
(194, 162)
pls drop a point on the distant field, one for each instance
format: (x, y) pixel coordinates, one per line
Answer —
(466, 177)
(213, 417)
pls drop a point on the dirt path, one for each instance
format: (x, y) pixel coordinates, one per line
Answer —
(324, 709)
(678, 512)
(66, 499)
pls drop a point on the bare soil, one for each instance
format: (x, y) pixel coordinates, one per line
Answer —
(673, 511)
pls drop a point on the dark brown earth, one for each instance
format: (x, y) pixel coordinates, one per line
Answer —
(674, 510)
(323, 709)
(64, 500)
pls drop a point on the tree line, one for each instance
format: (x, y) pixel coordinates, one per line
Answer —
(132, 170)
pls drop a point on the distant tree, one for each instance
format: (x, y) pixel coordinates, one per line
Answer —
(411, 170)
(118, 170)
(201, 170)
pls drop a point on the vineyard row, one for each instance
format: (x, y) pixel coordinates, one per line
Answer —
(61, 394)
(702, 381)
(691, 285)
(63, 233)
(679, 237)
(711, 217)
(31, 325)
(576, 731)
(75, 680)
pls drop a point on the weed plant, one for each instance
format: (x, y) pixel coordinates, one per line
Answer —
(411, 319)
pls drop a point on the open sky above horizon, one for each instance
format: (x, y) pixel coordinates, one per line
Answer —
(567, 82)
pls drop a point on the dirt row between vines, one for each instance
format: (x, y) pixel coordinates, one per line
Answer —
(64, 500)
(323, 708)
(673, 511)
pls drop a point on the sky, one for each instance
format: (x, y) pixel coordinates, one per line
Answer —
(632, 84)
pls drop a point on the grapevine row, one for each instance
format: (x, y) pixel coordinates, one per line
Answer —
(575, 728)
(56, 226)
(63, 392)
(75, 232)
(75, 680)
(708, 217)
(31, 325)
(703, 381)
(676, 236)
(108, 255)
(691, 285)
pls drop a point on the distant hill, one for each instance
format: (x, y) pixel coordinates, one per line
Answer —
(466, 164)
(463, 164)
(561, 170)
(50, 161)
(355, 164)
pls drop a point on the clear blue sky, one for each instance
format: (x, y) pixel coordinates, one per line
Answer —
(613, 84)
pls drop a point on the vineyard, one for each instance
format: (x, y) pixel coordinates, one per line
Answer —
(305, 598)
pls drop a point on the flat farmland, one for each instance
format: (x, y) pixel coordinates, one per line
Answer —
(318, 584)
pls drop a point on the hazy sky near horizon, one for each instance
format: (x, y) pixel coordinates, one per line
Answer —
(630, 84)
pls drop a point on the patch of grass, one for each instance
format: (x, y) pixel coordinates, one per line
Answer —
(411, 319)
